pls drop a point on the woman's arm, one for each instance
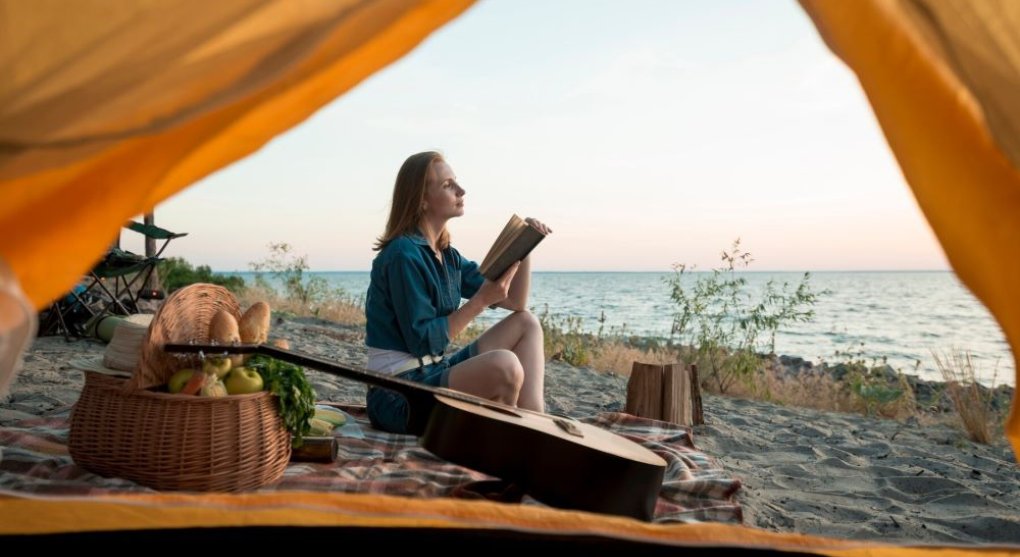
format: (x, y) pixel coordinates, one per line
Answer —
(517, 296)
(490, 293)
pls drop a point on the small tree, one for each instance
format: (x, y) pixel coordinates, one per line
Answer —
(289, 269)
(727, 325)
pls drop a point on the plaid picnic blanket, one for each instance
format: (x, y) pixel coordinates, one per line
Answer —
(34, 461)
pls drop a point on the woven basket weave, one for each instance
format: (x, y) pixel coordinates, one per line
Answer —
(184, 317)
(172, 441)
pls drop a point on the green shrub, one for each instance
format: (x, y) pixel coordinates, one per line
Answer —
(725, 324)
(306, 295)
(175, 272)
(565, 340)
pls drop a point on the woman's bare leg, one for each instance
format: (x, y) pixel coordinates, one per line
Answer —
(521, 333)
(495, 375)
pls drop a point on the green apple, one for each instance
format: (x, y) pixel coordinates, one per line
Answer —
(243, 380)
(179, 380)
(218, 365)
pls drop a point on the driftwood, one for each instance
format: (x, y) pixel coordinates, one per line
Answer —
(668, 392)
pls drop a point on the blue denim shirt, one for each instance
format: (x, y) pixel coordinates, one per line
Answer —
(410, 294)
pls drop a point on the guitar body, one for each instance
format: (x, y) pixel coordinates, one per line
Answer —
(591, 469)
(558, 461)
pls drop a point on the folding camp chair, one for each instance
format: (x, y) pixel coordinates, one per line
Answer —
(156, 233)
(113, 286)
(70, 314)
(123, 277)
(119, 277)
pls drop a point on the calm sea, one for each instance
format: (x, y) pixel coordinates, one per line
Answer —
(899, 316)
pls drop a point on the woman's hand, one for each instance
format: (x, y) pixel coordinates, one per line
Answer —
(494, 292)
(539, 225)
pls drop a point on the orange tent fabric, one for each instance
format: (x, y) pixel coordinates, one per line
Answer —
(930, 68)
(108, 107)
(140, 512)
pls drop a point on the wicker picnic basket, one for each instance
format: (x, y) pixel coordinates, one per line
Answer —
(120, 427)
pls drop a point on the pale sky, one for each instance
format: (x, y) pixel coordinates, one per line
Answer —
(645, 133)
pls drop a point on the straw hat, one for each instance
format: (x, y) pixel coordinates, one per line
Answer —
(122, 353)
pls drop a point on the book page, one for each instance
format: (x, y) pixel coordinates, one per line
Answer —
(517, 242)
(506, 237)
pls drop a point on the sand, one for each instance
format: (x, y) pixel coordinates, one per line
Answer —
(804, 471)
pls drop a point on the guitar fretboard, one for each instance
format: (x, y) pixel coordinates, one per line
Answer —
(355, 373)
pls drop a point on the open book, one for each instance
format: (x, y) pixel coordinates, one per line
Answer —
(514, 243)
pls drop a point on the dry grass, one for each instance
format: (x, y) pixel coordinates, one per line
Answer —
(971, 404)
(469, 334)
(806, 390)
(904, 407)
(614, 356)
(771, 383)
(901, 407)
(817, 390)
(339, 309)
(342, 312)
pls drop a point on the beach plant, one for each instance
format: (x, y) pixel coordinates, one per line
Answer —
(565, 339)
(874, 394)
(614, 351)
(302, 294)
(973, 403)
(289, 269)
(725, 323)
(874, 387)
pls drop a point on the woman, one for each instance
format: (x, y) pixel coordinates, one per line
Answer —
(413, 307)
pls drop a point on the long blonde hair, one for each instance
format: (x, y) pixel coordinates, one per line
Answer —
(406, 210)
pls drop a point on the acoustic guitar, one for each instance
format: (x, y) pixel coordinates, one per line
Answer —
(555, 459)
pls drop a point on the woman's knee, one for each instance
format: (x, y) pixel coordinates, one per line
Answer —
(527, 321)
(509, 369)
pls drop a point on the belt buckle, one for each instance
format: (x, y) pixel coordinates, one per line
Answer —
(428, 359)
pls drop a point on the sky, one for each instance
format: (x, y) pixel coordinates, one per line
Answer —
(644, 133)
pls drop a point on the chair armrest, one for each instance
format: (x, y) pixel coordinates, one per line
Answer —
(153, 231)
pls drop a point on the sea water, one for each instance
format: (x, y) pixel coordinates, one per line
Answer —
(893, 317)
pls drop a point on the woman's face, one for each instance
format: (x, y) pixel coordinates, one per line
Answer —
(444, 198)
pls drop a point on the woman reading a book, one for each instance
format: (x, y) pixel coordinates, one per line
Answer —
(413, 307)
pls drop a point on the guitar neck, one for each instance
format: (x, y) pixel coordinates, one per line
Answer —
(359, 374)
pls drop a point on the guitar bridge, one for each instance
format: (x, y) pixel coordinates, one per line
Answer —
(567, 425)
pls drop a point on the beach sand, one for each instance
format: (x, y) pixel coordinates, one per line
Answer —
(804, 471)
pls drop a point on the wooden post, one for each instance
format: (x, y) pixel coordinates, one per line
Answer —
(676, 394)
(150, 243)
(152, 281)
(697, 416)
(670, 393)
(644, 388)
